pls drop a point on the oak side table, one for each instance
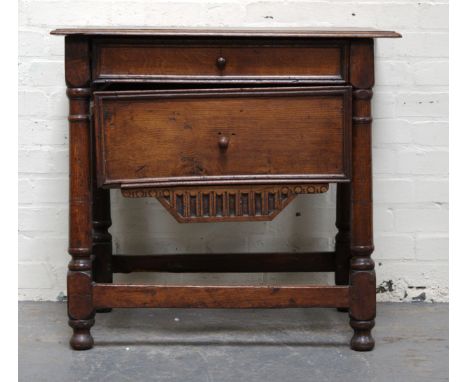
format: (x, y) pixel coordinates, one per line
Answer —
(220, 125)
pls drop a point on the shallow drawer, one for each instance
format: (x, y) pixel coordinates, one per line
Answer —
(172, 62)
(223, 136)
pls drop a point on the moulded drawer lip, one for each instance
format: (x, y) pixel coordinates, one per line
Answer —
(332, 70)
(132, 97)
(232, 92)
(321, 80)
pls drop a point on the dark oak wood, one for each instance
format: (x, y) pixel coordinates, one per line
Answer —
(226, 262)
(219, 60)
(220, 125)
(299, 134)
(163, 296)
(80, 304)
(221, 203)
(299, 32)
(362, 309)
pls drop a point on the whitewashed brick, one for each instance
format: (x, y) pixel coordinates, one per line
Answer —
(42, 73)
(39, 44)
(384, 160)
(383, 219)
(300, 278)
(43, 160)
(390, 131)
(387, 15)
(393, 190)
(394, 247)
(39, 248)
(196, 13)
(282, 12)
(425, 105)
(334, 13)
(31, 44)
(383, 109)
(433, 191)
(430, 133)
(411, 278)
(434, 273)
(43, 219)
(421, 220)
(32, 103)
(43, 191)
(414, 44)
(432, 247)
(282, 243)
(148, 244)
(422, 162)
(221, 279)
(218, 244)
(58, 105)
(34, 132)
(310, 221)
(52, 13)
(25, 197)
(410, 155)
(432, 16)
(432, 73)
(42, 278)
(395, 73)
(263, 243)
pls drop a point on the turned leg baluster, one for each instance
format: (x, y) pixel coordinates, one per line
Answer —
(362, 309)
(79, 278)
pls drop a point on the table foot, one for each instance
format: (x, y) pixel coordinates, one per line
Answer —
(81, 338)
(362, 339)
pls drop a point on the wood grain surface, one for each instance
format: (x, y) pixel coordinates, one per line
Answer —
(300, 133)
(164, 296)
(225, 31)
(179, 60)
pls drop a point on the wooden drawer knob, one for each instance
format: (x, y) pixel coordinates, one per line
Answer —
(223, 142)
(221, 62)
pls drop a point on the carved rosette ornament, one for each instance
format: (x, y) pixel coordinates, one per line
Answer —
(240, 203)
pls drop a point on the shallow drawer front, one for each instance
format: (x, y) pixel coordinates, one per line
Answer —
(172, 62)
(216, 137)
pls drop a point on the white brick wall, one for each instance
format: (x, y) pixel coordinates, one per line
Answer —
(410, 146)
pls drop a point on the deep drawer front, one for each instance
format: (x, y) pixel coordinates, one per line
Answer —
(317, 62)
(223, 136)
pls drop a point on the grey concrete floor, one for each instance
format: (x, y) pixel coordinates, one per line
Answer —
(234, 345)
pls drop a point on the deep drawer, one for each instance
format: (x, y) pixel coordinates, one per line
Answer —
(229, 136)
(221, 61)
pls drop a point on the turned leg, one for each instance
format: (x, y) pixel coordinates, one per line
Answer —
(362, 308)
(79, 279)
(343, 238)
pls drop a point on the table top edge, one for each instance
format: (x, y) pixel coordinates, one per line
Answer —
(231, 32)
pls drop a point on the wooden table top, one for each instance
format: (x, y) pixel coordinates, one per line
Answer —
(231, 32)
